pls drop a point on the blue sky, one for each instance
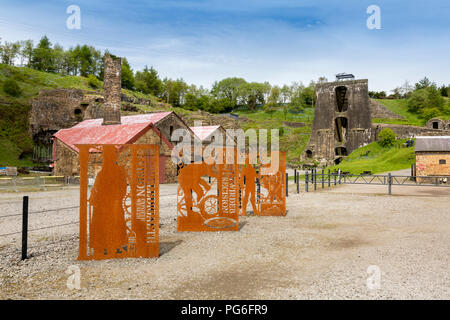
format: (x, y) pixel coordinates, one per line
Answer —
(260, 40)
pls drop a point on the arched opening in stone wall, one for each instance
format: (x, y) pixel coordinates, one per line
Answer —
(340, 151)
(340, 131)
(309, 154)
(341, 99)
(338, 160)
(78, 114)
(435, 125)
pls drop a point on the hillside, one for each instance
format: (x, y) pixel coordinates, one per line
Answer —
(400, 107)
(377, 159)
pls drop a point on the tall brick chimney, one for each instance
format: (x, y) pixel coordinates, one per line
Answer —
(112, 85)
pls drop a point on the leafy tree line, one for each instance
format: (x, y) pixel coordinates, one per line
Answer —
(224, 96)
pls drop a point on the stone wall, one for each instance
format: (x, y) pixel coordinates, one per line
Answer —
(406, 132)
(428, 163)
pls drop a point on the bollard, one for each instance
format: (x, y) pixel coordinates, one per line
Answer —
(306, 181)
(389, 184)
(24, 227)
(287, 184)
(298, 183)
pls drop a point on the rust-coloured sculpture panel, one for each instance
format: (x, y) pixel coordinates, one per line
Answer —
(208, 197)
(272, 197)
(120, 216)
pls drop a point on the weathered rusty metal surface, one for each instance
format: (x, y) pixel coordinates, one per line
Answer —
(272, 198)
(247, 184)
(208, 205)
(119, 218)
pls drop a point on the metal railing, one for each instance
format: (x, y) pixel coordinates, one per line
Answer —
(322, 178)
(36, 183)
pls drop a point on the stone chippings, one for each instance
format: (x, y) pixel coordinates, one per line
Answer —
(320, 250)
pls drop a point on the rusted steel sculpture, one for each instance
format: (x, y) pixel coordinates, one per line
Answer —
(211, 205)
(120, 217)
(272, 198)
(247, 184)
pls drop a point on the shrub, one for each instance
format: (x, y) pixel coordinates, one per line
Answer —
(12, 88)
(94, 82)
(386, 138)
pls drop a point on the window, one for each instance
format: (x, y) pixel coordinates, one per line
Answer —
(435, 125)
(442, 161)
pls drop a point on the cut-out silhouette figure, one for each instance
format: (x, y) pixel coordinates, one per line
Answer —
(190, 179)
(108, 233)
(249, 174)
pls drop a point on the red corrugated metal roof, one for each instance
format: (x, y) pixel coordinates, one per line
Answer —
(92, 131)
(204, 132)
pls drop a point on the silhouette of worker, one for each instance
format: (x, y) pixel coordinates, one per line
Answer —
(190, 179)
(108, 234)
(249, 174)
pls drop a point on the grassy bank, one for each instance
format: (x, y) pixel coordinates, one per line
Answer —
(377, 159)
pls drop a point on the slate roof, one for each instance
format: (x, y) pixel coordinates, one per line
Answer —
(433, 144)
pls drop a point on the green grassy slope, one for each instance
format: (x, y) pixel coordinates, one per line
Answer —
(15, 143)
(292, 140)
(377, 159)
(400, 107)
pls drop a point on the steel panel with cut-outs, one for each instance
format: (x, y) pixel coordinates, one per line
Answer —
(208, 197)
(119, 215)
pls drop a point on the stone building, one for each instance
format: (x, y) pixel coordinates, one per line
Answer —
(342, 121)
(433, 156)
(153, 128)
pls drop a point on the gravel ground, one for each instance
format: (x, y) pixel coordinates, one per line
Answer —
(320, 250)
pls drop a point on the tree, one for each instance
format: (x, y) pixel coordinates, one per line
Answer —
(148, 81)
(43, 57)
(9, 52)
(127, 75)
(424, 83)
(386, 138)
(228, 88)
(270, 108)
(26, 52)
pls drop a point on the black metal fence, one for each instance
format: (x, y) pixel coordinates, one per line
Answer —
(313, 179)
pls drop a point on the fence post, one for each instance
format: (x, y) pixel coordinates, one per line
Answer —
(329, 178)
(335, 176)
(287, 184)
(315, 179)
(24, 227)
(306, 181)
(389, 184)
(323, 178)
(297, 176)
